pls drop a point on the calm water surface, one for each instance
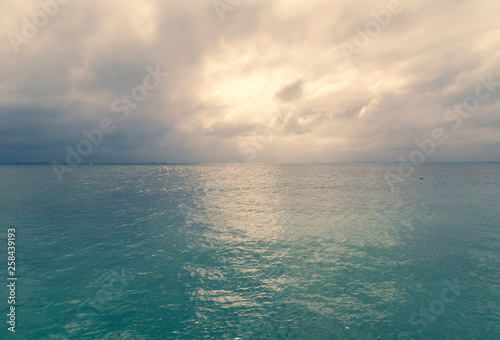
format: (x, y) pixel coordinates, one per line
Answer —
(253, 252)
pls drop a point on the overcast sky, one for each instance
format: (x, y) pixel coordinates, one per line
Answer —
(251, 80)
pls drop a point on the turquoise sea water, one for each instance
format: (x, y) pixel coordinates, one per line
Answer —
(253, 252)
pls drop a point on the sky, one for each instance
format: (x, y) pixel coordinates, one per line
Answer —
(249, 81)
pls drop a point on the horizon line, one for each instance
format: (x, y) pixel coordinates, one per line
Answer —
(242, 163)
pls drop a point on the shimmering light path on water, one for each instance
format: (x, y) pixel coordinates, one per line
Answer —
(254, 252)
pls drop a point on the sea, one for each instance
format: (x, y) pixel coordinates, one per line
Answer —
(251, 251)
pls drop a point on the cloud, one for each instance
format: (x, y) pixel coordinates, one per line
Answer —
(290, 92)
(229, 79)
